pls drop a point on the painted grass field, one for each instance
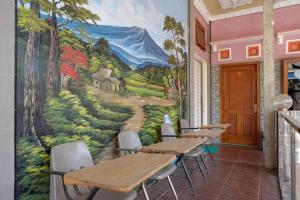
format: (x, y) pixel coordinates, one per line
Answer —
(139, 85)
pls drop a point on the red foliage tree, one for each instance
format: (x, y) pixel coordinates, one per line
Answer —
(67, 70)
(69, 59)
(67, 54)
(80, 59)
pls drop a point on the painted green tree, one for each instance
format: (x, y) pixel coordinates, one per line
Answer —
(72, 10)
(67, 37)
(29, 21)
(177, 56)
(102, 47)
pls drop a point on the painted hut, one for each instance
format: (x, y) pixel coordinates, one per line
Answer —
(104, 80)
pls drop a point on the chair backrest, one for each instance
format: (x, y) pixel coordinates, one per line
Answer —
(65, 158)
(184, 123)
(167, 129)
(129, 140)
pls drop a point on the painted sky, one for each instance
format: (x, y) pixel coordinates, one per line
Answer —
(147, 14)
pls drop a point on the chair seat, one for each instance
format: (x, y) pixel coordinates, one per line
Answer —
(215, 140)
(109, 195)
(165, 172)
(195, 152)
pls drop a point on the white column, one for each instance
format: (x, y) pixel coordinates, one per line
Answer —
(7, 66)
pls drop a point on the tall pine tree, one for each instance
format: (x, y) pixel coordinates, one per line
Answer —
(29, 21)
(72, 10)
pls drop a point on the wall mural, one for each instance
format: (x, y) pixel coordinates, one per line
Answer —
(87, 70)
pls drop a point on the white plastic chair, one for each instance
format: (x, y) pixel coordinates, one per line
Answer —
(168, 133)
(73, 156)
(129, 142)
(185, 128)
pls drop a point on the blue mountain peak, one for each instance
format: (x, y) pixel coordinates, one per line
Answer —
(133, 45)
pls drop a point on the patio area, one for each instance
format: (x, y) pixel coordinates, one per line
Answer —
(239, 175)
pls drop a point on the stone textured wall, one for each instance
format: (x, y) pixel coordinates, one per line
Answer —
(215, 91)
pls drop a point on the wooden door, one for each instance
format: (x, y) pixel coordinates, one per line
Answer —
(239, 103)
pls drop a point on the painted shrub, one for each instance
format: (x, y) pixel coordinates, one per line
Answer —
(87, 70)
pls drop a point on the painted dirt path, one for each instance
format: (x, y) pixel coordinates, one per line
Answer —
(136, 103)
(134, 123)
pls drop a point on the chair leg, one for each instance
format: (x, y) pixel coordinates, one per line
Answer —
(204, 164)
(92, 193)
(212, 158)
(172, 187)
(187, 175)
(145, 192)
(198, 163)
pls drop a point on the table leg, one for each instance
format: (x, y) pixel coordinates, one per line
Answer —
(92, 193)
(203, 161)
(187, 175)
(198, 163)
(212, 158)
(145, 192)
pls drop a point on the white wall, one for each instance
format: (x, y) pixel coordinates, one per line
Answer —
(7, 67)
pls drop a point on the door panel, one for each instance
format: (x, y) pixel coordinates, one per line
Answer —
(239, 101)
(196, 94)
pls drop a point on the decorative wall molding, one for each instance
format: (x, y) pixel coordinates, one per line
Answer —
(199, 58)
(224, 54)
(233, 3)
(237, 40)
(281, 35)
(237, 13)
(292, 46)
(291, 32)
(199, 4)
(282, 4)
(254, 49)
(203, 10)
(254, 38)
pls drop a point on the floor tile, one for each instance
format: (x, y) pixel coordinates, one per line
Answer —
(238, 175)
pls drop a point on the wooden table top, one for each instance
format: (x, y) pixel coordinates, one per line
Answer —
(211, 126)
(203, 133)
(176, 146)
(122, 174)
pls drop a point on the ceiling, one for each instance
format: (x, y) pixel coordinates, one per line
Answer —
(233, 3)
(215, 8)
(220, 9)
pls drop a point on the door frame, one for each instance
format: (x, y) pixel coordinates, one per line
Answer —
(222, 114)
(284, 73)
(205, 88)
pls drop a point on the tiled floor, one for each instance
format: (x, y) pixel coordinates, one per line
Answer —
(239, 175)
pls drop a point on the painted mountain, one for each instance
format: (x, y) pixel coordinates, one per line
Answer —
(133, 45)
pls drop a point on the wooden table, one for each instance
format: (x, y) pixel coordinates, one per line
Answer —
(211, 133)
(179, 146)
(121, 174)
(212, 126)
